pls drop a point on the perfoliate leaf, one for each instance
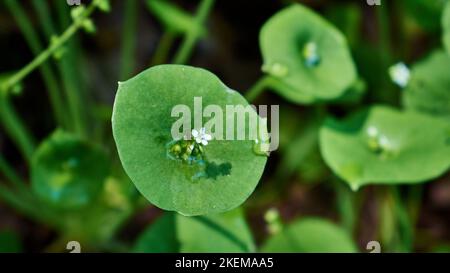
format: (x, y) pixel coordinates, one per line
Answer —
(68, 172)
(220, 176)
(308, 57)
(382, 145)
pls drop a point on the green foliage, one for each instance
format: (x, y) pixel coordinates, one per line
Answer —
(426, 13)
(227, 232)
(68, 172)
(428, 89)
(311, 235)
(309, 62)
(142, 130)
(382, 145)
(173, 18)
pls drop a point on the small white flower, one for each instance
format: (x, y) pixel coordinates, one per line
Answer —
(201, 137)
(400, 74)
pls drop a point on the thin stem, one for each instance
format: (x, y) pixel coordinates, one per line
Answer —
(191, 38)
(41, 58)
(346, 206)
(36, 47)
(46, 54)
(129, 38)
(14, 127)
(163, 48)
(257, 89)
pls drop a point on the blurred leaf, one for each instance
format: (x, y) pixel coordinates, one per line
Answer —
(10, 242)
(227, 232)
(311, 235)
(382, 145)
(159, 237)
(308, 55)
(68, 172)
(429, 88)
(174, 18)
(103, 5)
(221, 181)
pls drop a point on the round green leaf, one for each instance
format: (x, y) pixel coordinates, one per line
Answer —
(446, 27)
(142, 125)
(227, 232)
(382, 145)
(308, 55)
(311, 235)
(68, 172)
(429, 88)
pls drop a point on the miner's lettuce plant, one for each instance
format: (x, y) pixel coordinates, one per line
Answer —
(352, 132)
(228, 170)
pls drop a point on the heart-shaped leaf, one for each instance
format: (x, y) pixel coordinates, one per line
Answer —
(428, 90)
(308, 56)
(382, 145)
(67, 171)
(311, 235)
(227, 171)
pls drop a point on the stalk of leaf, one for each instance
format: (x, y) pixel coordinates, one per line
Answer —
(187, 46)
(47, 73)
(46, 54)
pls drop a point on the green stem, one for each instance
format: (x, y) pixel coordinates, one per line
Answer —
(346, 206)
(163, 48)
(14, 127)
(36, 47)
(257, 88)
(405, 226)
(66, 65)
(396, 227)
(46, 54)
(129, 39)
(191, 38)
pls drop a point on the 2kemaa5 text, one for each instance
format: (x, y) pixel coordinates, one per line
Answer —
(225, 263)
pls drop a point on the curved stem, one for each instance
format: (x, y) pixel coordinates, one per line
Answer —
(33, 41)
(44, 55)
(191, 38)
(257, 88)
